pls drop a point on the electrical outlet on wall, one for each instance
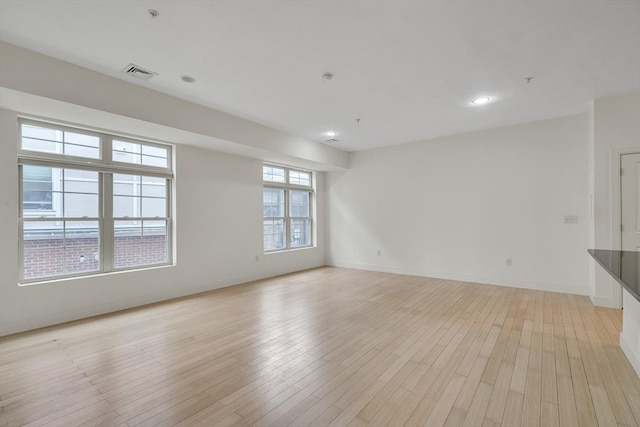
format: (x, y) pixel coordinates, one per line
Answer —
(571, 219)
(509, 262)
(379, 252)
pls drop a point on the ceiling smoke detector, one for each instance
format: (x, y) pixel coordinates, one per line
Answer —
(154, 13)
(188, 79)
(332, 140)
(138, 72)
(327, 76)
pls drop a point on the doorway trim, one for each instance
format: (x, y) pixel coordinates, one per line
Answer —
(616, 213)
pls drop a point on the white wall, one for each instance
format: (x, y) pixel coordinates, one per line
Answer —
(218, 234)
(458, 207)
(615, 128)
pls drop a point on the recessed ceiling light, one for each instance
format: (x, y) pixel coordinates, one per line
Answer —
(482, 100)
(188, 79)
(330, 133)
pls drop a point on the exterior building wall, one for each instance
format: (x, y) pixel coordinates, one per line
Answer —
(57, 256)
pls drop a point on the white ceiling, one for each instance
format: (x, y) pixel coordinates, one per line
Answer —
(407, 69)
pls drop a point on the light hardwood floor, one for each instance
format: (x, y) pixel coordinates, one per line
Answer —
(332, 347)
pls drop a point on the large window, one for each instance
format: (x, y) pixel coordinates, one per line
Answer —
(91, 202)
(287, 197)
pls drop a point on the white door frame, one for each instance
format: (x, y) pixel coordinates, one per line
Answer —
(616, 213)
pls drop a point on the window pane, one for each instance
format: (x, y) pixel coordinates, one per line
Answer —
(273, 202)
(119, 156)
(272, 174)
(154, 161)
(127, 244)
(300, 232)
(38, 138)
(80, 193)
(139, 243)
(154, 187)
(55, 248)
(43, 249)
(150, 150)
(33, 144)
(38, 202)
(56, 192)
(139, 154)
(48, 140)
(154, 242)
(126, 152)
(37, 174)
(82, 246)
(152, 207)
(77, 205)
(298, 203)
(82, 139)
(126, 185)
(154, 156)
(126, 206)
(300, 178)
(81, 151)
(37, 185)
(274, 234)
(80, 181)
(39, 132)
(77, 144)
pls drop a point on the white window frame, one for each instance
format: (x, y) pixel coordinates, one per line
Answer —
(287, 186)
(106, 168)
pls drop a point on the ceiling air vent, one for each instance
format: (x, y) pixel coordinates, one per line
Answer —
(138, 72)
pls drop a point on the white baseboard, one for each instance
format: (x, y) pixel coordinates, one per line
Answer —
(633, 358)
(602, 301)
(524, 284)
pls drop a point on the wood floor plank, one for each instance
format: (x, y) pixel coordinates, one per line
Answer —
(463, 402)
(499, 395)
(566, 403)
(479, 405)
(603, 410)
(513, 409)
(445, 403)
(549, 415)
(329, 346)
(549, 378)
(532, 398)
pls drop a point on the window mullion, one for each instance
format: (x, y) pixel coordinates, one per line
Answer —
(287, 220)
(107, 231)
(20, 224)
(169, 225)
(107, 143)
(312, 233)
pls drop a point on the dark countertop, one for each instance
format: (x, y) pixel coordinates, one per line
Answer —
(624, 266)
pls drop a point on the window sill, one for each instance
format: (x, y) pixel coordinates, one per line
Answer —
(53, 280)
(279, 251)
